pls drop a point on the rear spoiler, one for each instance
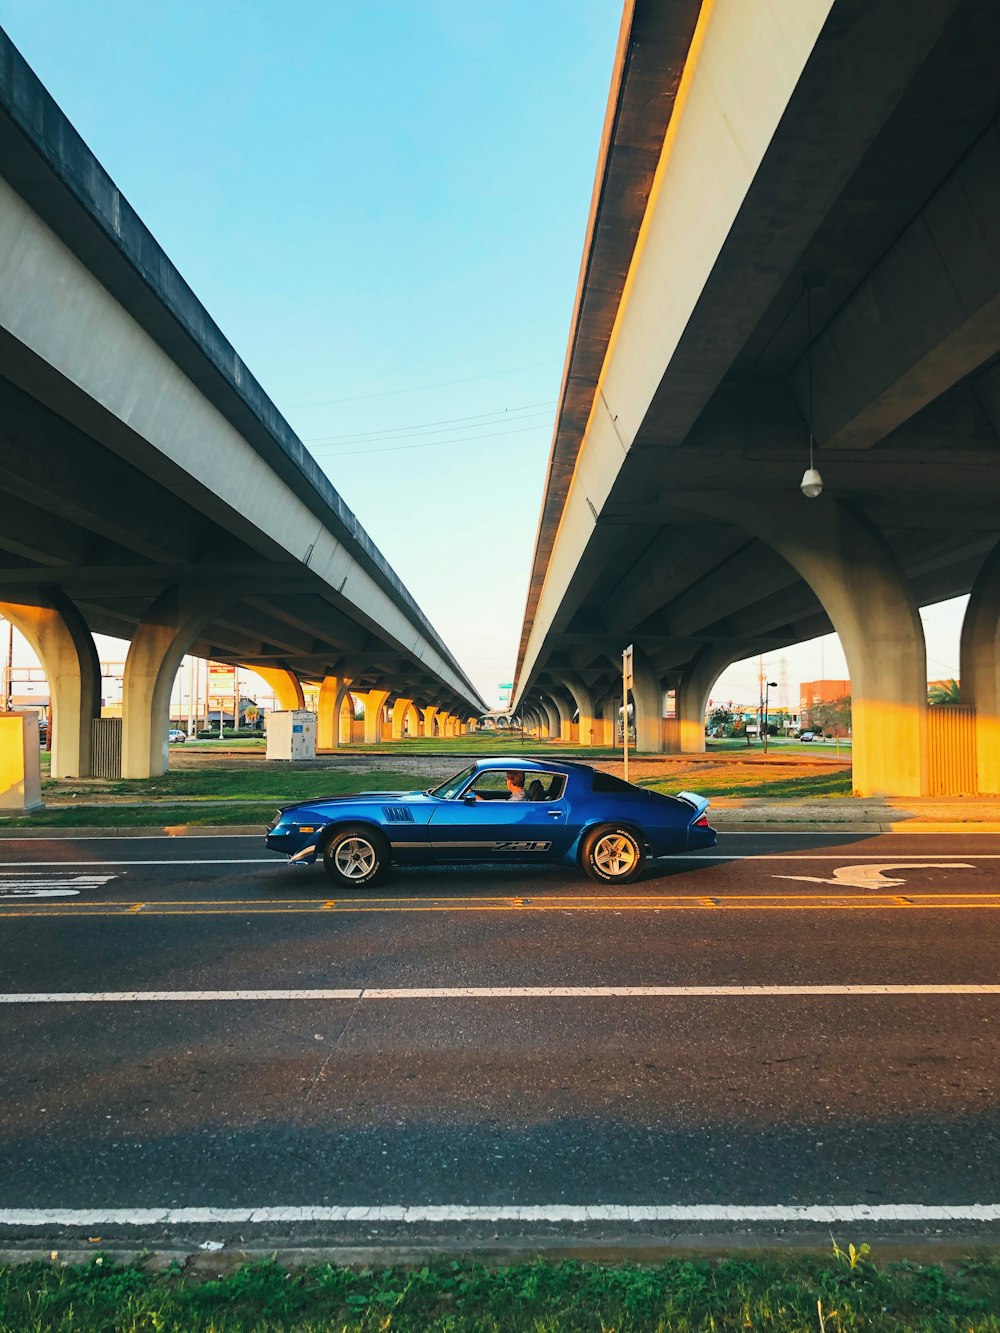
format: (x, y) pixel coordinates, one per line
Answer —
(700, 803)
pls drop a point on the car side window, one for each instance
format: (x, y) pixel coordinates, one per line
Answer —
(556, 787)
(490, 785)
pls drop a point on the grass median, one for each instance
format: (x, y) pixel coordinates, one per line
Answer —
(774, 1292)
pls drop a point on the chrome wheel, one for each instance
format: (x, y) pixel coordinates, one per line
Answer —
(615, 855)
(355, 858)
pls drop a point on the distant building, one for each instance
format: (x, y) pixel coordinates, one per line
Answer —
(815, 692)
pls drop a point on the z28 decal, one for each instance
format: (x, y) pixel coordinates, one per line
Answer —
(521, 846)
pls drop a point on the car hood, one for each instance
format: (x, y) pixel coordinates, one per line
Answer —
(359, 798)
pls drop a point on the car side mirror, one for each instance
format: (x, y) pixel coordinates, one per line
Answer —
(469, 798)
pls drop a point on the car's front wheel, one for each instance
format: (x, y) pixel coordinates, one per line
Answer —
(612, 855)
(354, 857)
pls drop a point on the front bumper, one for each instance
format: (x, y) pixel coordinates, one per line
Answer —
(298, 844)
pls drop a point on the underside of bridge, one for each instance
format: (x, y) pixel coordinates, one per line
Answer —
(796, 219)
(150, 490)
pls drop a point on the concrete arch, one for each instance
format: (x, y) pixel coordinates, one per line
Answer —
(979, 682)
(374, 702)
(863, 589)
(284, 685)
(333, 692)
(647, 704)
(163, 636)
(693, 693)
(62, 642)
(584, 700)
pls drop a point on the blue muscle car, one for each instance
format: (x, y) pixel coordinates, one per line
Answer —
(520, 810)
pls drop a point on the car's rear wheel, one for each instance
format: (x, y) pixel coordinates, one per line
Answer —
(612, 855)
(355, 856)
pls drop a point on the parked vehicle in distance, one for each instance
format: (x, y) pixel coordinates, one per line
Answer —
(527, 811)
(806, 736)
(176, 737)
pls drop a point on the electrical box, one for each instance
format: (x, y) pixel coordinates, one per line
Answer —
(291, 735)
(20, 781)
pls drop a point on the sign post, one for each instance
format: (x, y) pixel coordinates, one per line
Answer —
(626, 686)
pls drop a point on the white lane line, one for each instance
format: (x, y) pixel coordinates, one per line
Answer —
(594, 1212)
(486, 993)
(231, 861)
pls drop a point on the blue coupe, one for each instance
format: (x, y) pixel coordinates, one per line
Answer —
(527, 811)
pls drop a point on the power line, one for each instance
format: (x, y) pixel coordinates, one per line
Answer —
(419, 388)
(419, 428)
(431, 444)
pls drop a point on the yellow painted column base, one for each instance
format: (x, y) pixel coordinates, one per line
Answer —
(20, 772)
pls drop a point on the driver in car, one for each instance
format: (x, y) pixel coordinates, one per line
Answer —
(515, 785)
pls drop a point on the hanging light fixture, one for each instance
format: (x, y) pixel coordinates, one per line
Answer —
(811, 484)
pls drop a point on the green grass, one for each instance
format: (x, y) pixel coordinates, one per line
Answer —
(776, 1292)
(225, 796)
(715, 784)
(238, 782)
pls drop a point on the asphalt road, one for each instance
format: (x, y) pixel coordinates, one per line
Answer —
(791, 1022)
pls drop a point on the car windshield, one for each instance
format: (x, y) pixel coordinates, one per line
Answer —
(450, 789)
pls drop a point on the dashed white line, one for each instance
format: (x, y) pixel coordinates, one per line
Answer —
(824, 1214)
(386, 993)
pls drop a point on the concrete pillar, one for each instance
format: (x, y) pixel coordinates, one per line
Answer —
(551, 716)
(375, 701)
(59, 637)
(428, 715)
(333, 691)
(854, 573)
(399, 711)
(564, 713)
(584, 700)
(979, 683)
(696, 685)
(284, 685)
(647, 704)
(607, 724)
(159, 643)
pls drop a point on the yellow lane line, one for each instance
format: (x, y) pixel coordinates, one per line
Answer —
(796, 903)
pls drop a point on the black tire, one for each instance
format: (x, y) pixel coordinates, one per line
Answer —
(612, 854)
(356, 856)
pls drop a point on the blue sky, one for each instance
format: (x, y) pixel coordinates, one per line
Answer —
(383, 206)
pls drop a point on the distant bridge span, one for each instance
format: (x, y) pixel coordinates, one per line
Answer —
(752, 152)
(149, 488)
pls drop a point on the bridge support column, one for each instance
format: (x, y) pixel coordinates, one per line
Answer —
(59, 637)
(564, 715)
(443, 718)
(332, 693)
(699, 677)
(162, 638)
(584, 700)
(284, 685)
(980, 670)
(609, 718)
(375, 701)
(647, 700)
(428, 715)
(854, 573)
(399, 711)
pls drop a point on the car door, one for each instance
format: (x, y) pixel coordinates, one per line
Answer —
(483, 824)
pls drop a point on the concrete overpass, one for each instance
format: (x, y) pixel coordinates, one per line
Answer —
(795, 223)
(150, 489)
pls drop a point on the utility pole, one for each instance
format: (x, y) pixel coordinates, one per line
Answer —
(626, 686)
(8, 672)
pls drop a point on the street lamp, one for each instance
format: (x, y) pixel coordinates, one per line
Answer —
(768, 685)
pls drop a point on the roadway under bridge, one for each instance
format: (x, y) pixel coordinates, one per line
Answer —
(795, 229)
(149, 488)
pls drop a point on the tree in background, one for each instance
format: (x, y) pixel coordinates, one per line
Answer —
(943, 692)
(830, 717)
(720, 718)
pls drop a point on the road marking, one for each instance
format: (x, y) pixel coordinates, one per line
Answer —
(955, 901)
(551, 1212)
(21, 885)
(229, 861)
(490, 993)
(872, 876)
